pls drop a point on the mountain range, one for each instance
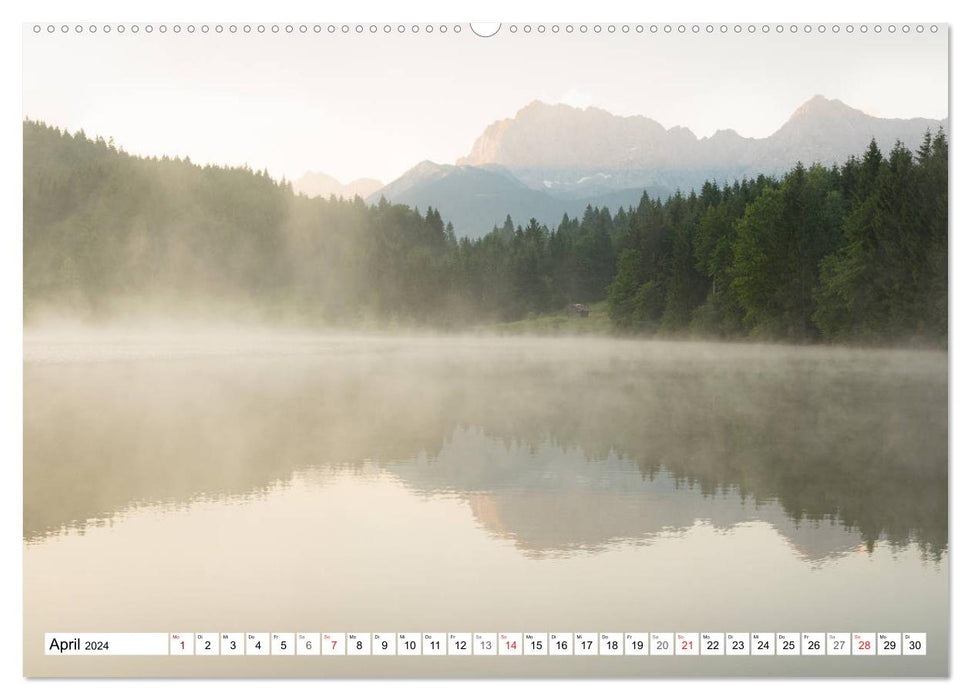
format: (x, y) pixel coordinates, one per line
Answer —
(548, 160)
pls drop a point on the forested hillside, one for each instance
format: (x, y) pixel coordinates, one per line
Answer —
(849, 253)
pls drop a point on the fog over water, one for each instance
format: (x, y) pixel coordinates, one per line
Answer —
(483, 481)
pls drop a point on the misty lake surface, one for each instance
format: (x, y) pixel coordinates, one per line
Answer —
(291, 483)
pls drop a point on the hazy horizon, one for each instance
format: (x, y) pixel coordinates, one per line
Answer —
(333, 104)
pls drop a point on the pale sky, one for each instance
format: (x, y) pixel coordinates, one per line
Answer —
(375, 105)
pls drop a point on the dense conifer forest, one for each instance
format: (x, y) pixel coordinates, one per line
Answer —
(855, 252)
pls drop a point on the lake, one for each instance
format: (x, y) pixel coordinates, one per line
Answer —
(270, 482)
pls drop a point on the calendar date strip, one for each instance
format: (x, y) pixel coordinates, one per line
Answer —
(486, 644)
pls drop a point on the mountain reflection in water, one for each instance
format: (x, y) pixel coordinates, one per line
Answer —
(560, 445)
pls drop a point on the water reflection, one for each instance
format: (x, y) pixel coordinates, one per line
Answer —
(552, 501)
(558, 445)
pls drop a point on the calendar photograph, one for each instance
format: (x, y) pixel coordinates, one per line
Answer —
(514, 350)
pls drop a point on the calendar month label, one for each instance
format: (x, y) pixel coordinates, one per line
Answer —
(109, 644)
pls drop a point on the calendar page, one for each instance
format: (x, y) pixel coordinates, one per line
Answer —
(467, 350)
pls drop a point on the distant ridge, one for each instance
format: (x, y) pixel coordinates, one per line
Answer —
(559, 136)
(322, 185)
(548, 160)
(475, 199)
